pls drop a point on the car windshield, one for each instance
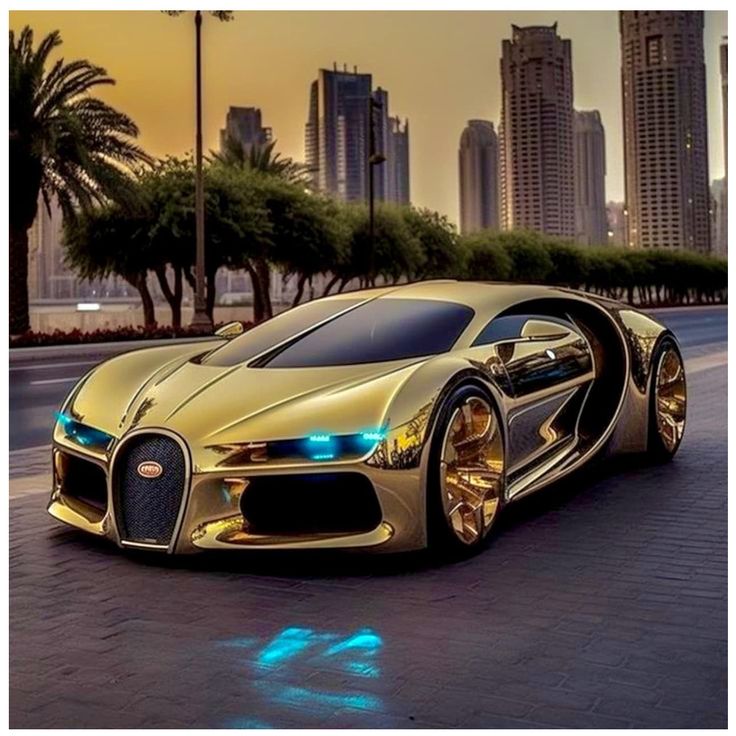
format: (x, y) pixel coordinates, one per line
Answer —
(377, 331)
(270, 333)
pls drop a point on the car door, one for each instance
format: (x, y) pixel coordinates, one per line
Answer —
(549, 364)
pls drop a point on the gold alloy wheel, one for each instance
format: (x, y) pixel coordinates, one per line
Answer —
(670, 398)
(471, 469)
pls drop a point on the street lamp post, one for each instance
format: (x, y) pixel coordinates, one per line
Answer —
(201, 319)
(374, 159)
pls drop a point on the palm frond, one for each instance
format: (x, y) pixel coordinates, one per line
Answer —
(260, 158)
(78, 148)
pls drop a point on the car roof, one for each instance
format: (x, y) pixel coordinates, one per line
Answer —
(481, 296)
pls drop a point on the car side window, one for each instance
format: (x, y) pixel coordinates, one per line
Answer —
(501, 328)
(510, 327)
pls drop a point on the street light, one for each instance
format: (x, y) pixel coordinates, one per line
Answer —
(201, 320)
(374, 159)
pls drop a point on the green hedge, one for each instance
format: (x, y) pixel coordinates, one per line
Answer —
(647, 277)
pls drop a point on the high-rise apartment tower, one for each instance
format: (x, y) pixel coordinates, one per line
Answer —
(478, 174)
(591, 227)
(665, 130)
(536, 132)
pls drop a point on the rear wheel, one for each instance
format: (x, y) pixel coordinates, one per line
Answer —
(466, 475)
(667, 402)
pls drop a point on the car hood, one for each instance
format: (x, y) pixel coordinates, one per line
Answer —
(215, 405)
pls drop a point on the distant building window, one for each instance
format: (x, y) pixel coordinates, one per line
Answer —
(654, 50)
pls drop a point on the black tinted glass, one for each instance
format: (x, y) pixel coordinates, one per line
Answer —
(381, 330)
(510, 327)
(501, 328)
(277, 329)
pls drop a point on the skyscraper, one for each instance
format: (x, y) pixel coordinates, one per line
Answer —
(536, 132)
(590, 179)
(337, 137)
(478, 164)
(665, 129)
(724, 98)
(382, 133)
(723, 200)
(397, 160)
(719, 219)
(244, 125)
(337, 133)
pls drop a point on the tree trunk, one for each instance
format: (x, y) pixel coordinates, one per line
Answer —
(257, 299)
(263, 274)
(178, 293)
(149, 313)
(211, 295)
(190, 279)
(171, 296)
(19, 321)
(299, 290)
(330, 284)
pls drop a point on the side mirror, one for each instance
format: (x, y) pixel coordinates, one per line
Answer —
(541, 329)
(230, 330)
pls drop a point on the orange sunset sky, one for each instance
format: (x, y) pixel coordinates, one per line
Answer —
(440, 68)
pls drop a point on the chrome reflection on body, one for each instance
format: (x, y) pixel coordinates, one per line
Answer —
(670, 398)
(642, 333)
(471, 469)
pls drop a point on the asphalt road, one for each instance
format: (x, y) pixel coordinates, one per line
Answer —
(601, 603)
(38, 385)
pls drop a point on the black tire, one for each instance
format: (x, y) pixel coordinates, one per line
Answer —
(662, 448)
(441, 537)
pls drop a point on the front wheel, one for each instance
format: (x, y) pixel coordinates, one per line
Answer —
(466, 477)
(667, 402)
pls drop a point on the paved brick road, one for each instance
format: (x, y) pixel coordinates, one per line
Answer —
(601, 604)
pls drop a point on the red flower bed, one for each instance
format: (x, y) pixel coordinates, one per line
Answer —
(118, 334)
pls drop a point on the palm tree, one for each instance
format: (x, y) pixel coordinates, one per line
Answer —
(63, 144)
(261, 158)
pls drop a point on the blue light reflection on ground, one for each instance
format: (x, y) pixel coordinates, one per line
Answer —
(311, 697)
(249, 723)
(323, 652)
(289, 643)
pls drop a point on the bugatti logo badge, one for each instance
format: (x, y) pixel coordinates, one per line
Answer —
(150, 469)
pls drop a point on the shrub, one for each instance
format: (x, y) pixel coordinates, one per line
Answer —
(530, 260)
(485, 259)
(570, 264)
(647, 277)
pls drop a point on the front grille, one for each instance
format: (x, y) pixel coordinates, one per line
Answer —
(147, 507)
(319, 503)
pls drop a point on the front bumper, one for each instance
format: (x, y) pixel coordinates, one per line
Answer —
(211, 515)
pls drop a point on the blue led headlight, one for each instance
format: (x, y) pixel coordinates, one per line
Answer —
(321, 446)
(83, 435)
(373, 436)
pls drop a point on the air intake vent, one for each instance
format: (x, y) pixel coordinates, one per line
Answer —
(149, 482)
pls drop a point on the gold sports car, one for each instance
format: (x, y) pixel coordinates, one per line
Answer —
(387, 419)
